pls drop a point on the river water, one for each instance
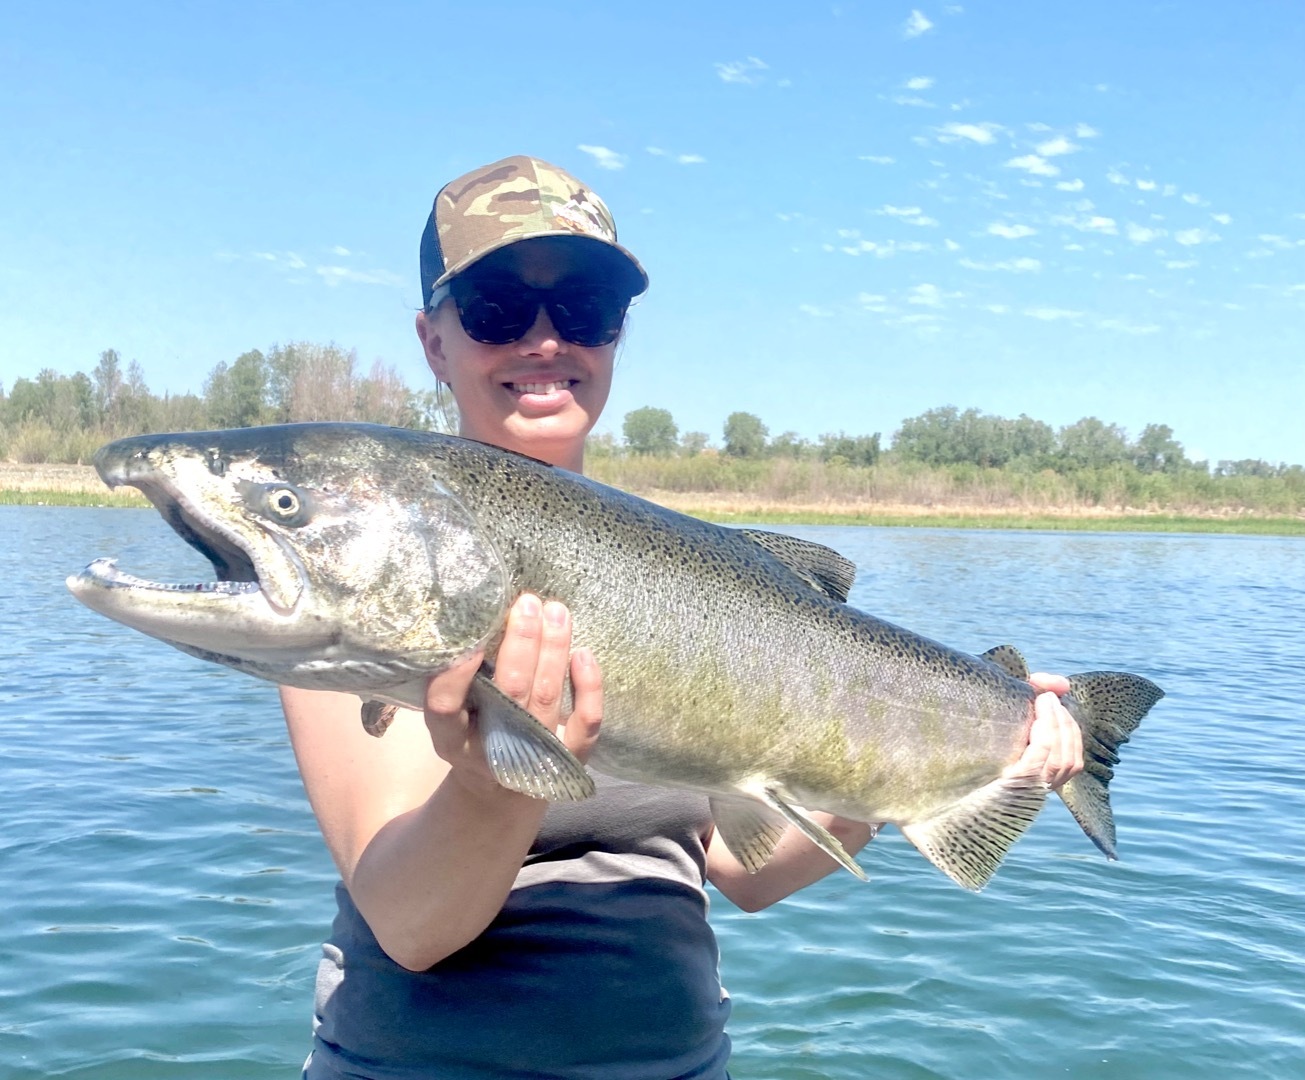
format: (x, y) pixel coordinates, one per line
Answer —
(165, 889)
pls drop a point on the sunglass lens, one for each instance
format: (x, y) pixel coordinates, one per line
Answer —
(587, 315)
(494, 312)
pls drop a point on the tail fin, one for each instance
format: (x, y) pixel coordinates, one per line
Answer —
(1108, 706)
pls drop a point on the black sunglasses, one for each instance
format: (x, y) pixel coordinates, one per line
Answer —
(499, 311)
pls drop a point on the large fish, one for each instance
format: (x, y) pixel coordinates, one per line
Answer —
(359, 558)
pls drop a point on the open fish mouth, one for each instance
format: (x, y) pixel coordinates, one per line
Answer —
(105, 572)
(247, 561)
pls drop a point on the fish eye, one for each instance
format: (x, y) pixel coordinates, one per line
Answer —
(284, 502)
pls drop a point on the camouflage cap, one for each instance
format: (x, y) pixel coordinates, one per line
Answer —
(515, 199)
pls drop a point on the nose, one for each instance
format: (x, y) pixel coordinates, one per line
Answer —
(542, 339)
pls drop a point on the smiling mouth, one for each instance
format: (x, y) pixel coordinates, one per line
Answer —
(541, 387)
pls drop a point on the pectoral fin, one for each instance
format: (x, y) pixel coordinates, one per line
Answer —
(750, 829)
(968, 840)
(523, 754)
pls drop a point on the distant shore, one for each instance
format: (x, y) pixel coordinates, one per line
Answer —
(78, 485)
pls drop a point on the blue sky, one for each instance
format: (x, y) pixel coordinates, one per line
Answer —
(851, 213)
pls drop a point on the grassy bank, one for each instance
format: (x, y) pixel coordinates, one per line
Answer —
(78, 485)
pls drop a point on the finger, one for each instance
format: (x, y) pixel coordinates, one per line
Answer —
(1057, 684)
(587, 714)
(446, 693)
(551, 668)
(518, 655)
(1057, 731)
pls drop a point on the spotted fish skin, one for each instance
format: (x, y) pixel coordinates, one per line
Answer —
(731, 663)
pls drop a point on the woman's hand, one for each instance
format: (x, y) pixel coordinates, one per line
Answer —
(531, 668)
(1055, 740)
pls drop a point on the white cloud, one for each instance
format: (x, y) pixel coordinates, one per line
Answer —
(1014, 266)
(1051, 314)
(886, 249)
(983, 134)
(1094, 223)
(1033, 164)
(1069, 185)
(340, 250)
(336, 275)
(951, 245)
(928, 295)
(1146, 185)
(1116, 177)
(1222, 219)
(814, 311)
(917, 102)
(656, 151)
(689, 159)
(1086, 131)
(1190, 197)
(1279, 242)
(997, 309)
(873, 302)
(878, 159)
(916, 25)
(742, 71)
(920, 82)
(1180, 264)
(605, 158)
(912, 215)
(1141, 235)
(1055, 147)
(1010, 232)
(1189, 237)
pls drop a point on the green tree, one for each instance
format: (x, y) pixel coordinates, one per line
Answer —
(789, 444)
(650, 432)
(1157, 451)
(852, 449)
(108, 387)
(693, 443)
(1093, 444)
(745, 435)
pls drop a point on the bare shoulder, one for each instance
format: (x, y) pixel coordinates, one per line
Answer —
(355, 781)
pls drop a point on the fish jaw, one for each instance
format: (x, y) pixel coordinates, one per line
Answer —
(322, 582)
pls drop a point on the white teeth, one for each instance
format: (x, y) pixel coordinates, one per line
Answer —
(540, 388)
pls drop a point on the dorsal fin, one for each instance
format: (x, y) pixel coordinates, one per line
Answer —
(824, 569)
(1009, 659)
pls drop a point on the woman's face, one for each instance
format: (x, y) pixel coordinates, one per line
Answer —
(540, 395)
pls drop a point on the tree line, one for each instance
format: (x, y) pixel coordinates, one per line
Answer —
(55, 417)
(942, 437)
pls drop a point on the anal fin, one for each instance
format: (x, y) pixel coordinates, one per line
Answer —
(523, 754)
(968, 839)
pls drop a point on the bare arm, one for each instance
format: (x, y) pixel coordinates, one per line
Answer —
(1055, 747)
(426, 842)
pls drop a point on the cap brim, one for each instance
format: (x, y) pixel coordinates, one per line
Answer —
(638, 276)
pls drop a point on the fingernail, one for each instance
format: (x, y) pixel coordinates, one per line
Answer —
(528, 605)
(555, 614)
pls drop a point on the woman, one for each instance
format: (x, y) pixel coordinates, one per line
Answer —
(482, 933)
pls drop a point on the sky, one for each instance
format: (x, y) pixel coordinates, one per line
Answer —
(851, 213)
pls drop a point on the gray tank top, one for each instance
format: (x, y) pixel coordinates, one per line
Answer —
(600, 966)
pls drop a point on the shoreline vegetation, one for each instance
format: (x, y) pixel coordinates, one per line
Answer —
(947, 467)
(78, 485)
